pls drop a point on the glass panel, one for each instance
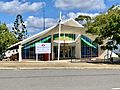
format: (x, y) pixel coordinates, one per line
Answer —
(55, 36)
(64, 36)
(87, 48)
(65, 52)
(28, 50)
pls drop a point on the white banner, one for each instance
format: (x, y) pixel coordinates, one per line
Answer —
(42, 48)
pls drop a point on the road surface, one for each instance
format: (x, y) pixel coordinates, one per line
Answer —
(59, 79)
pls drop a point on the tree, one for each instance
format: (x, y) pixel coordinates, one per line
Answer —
(19, 28)
(107, 26)
(7, 38)
(84, 19)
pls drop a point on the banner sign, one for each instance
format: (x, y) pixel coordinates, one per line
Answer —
(42, 48)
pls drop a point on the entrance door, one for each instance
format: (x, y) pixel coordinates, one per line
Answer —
(66, 52)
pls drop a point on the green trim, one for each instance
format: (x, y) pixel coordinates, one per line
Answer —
(88, 43)
(64, 38)
(41, 41)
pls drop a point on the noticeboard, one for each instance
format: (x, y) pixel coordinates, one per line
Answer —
(42, 48)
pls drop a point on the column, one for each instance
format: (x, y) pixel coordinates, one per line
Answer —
(52, 47)
(20, 53)
(78, 48)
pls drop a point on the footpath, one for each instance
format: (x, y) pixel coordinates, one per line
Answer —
(54, 65)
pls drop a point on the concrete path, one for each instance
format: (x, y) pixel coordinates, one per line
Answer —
(56, 65)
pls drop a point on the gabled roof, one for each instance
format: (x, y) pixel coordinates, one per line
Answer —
(69, 22)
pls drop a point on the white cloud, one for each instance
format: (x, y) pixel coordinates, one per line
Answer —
(74, 15)
(38, 22)
(80, 4)
(10, 26)
(31, 30)
(15, 7)
(35, 24)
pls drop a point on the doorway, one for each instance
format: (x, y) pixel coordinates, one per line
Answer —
(66, 52)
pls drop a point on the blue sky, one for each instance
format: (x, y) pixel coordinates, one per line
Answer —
(32, 11)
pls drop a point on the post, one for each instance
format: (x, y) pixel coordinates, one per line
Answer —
(91, 52)
(36, 57)
(52, 48)
(59, 38)
(64, 49)
(49, 56)
(71, 53)
(20, 53)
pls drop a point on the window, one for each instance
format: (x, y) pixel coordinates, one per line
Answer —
(88, 49)
(28, 50)
(64, 36)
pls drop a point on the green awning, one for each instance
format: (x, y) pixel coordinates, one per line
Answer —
(88, 43)
(41, 41)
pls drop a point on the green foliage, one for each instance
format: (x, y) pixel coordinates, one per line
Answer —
(119, 55)
(107, 26)
(82, 18)
(19, 28)
(6, 38)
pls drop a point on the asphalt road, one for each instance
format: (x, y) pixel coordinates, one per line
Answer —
(59, 80)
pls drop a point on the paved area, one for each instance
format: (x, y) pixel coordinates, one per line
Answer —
(59, 80)
(56, 65)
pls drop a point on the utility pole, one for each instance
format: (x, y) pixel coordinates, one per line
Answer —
(44, 16)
